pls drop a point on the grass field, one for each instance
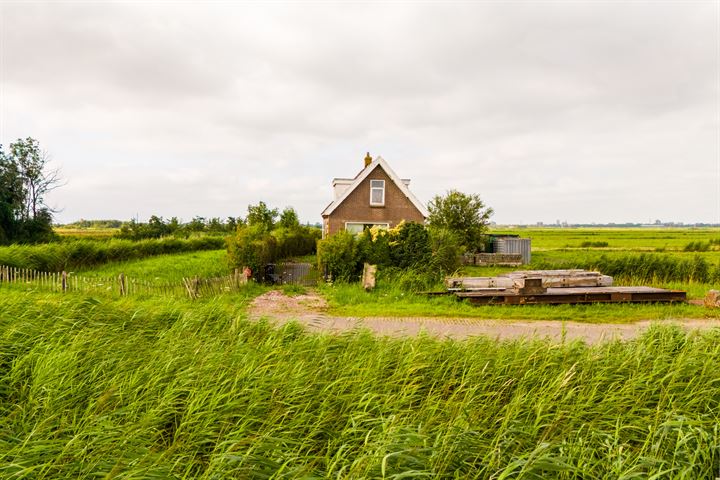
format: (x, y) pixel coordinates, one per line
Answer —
(86, 233)
(167, 268)
(155, 389)
(390, 301)
(631, 239)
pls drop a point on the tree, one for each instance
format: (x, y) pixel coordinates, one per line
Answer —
(11, 197)
(289, 218)
(463, 214)
(260, 215)
(24, 182)
(37, 180)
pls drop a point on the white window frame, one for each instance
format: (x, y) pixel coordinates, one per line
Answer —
(382, 189)
(385, 225)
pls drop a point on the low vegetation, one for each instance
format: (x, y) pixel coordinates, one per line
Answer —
(644, 267)
(595, 244)
(409, 251)
(81, 254)
(262, 240)
(631, 262)
(150, 389)
(166, 268)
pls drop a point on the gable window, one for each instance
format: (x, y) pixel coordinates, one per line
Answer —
(377, 192)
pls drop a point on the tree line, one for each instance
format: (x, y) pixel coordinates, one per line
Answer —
(258, 215)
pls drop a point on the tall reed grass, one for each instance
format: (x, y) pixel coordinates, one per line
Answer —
(645, 267)
(160, 390)
(85, 253)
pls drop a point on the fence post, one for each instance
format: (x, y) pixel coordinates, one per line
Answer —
(64, 281)
(121, 279)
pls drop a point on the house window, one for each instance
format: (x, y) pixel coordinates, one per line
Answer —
(357, 228)
(377, 192)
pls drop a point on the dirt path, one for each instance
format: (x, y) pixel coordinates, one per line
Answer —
(310, 310)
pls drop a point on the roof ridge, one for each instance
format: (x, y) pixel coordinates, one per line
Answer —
(377, 162)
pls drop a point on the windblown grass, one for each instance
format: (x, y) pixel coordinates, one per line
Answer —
(159, 390)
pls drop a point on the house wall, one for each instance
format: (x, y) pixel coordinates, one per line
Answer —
(356, 207)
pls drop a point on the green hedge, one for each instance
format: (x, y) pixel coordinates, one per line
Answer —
(407, 247)
(85, 253)
(255, 247)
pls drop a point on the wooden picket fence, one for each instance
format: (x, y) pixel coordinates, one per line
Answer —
(121, 285)
(193, 287)
(196, 287)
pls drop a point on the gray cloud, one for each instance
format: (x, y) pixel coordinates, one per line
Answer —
(585, 111)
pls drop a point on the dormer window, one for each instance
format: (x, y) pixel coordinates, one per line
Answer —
(377, 193)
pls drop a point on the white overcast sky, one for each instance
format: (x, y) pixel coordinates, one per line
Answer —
(579, 111)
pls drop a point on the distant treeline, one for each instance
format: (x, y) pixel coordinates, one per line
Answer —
(159, 227)
(93, 224)
(55, 257)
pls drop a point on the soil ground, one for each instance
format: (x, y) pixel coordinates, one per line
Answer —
(310, 310)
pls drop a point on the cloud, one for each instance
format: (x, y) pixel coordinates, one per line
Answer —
(548, 109)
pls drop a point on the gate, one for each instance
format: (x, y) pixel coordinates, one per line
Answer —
(304, 274)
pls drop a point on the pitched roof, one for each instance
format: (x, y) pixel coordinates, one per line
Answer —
(377, 162)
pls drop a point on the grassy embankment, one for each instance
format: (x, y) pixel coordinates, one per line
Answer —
(172, 389)
(653, 257)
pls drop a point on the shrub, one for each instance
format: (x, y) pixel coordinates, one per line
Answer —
(446, 250)
(589, 244)
(338, 256)
(296, 241)
(410, 247)
(374, 246)
(252, 247)
(409, 280)
(697, 246)
(425, 255)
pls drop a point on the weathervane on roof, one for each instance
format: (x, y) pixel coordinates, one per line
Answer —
(368, 159)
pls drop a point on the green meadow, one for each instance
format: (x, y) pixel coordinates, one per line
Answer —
(168, 388)
(629, 239)
(167, 268)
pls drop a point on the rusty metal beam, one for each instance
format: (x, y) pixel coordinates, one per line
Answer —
(575, 296)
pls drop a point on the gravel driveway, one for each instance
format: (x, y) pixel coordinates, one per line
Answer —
(309, 309)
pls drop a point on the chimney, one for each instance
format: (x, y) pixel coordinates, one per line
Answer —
(368, 159)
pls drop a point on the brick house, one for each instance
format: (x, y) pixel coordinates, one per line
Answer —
(375, 197)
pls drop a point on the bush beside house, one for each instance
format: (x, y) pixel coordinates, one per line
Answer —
(409, 249)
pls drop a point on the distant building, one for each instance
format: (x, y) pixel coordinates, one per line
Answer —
(374, 197)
